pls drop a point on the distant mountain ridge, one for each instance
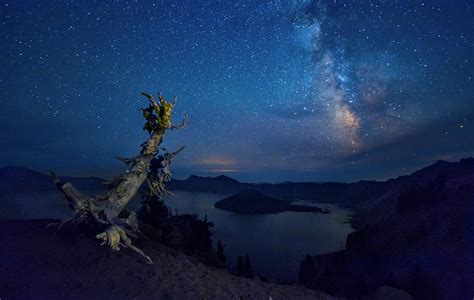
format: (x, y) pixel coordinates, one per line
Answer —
(351, 194)
(329, 192)
(21, 179)
(25, 193)
(219, 185)
(361, 194)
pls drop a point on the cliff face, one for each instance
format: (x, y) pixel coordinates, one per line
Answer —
(423, 244)
(37, 263)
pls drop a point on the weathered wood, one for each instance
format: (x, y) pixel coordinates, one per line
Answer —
(106, 209)
(130, 181)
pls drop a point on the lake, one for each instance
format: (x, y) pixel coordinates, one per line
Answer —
(276, 243)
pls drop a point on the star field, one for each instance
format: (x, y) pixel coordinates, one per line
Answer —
(275, 90)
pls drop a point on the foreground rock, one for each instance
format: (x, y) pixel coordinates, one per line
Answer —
(390, 293)
(37, 263)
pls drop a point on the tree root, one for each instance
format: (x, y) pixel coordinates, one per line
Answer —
(115, 236)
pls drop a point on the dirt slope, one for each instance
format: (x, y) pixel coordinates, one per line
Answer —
(37, 263)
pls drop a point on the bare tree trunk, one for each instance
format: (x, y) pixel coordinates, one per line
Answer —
(133, 178)
(106, 209)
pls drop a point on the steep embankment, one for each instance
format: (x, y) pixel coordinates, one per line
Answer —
(423, 244)
(36, 263)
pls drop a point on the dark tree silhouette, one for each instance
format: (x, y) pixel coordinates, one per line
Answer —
(240, 268)
(244, 267)
(307, 270)
(220, 252)
(248, 267)
(153, 218)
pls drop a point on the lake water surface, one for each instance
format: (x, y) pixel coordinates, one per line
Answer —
(276, 243)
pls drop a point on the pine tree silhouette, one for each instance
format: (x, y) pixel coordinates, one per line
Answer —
(240, 268)
(248, 268)
(220, 252)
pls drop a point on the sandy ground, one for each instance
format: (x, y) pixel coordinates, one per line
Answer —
(40, 263)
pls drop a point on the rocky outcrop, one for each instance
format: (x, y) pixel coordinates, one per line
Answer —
(389, 293)
(423, 244)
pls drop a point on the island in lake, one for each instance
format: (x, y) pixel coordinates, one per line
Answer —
(254, 202)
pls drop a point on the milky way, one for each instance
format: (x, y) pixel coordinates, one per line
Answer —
(275, 90)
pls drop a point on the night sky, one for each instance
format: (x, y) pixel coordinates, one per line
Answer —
(275, 90)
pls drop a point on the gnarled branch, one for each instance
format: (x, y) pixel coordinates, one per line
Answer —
(106, 209)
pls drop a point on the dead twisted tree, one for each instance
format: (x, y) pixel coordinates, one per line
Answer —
(108, 210)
